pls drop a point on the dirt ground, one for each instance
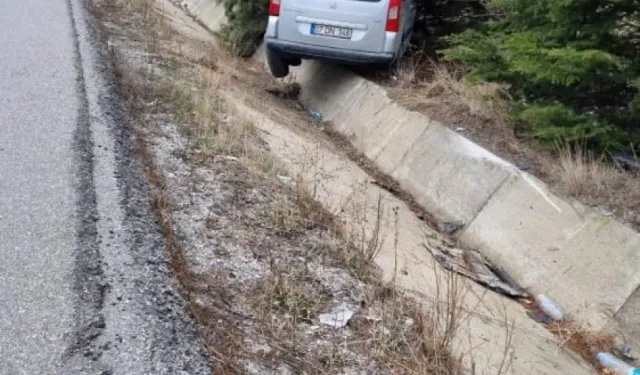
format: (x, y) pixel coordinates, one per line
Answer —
(259, 261)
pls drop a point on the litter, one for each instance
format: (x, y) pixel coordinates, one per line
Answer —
(626, 161)
(409, 322)
(316, 115)
(550, 307)
(285, 179)
(338, 318)
(472, 264)
(620, 367)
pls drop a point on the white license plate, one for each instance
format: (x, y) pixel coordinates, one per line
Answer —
(331, 31)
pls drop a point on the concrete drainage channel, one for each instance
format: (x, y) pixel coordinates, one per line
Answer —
(550, 246)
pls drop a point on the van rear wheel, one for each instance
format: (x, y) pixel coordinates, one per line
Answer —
(277, 65)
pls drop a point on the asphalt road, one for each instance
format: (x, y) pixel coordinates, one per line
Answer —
(84, 282)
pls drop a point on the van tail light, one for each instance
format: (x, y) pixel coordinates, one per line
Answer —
(274, 8)
(393, 16)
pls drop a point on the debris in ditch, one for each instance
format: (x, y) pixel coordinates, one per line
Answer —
(505, 277)
(625, 352)
(316, 115)
(475, 266)
(550, 307)
(626, 162)
(450, 227)
(539, 317)
(338, 318)
(611, 362)
(604, 212)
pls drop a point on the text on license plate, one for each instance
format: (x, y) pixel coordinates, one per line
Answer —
(331, 31)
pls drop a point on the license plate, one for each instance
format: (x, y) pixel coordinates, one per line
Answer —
(331, 31)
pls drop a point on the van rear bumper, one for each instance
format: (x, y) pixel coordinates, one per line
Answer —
(309, 51)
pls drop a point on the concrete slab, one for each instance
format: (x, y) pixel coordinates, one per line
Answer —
(588, 264)
(378, 129)
(392, 151)
(329, 89)
(627, 321)
(304, 73)
(448, 176)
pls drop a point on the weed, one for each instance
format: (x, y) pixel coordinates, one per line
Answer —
(438, 87)
(286, 291)
(582, 174)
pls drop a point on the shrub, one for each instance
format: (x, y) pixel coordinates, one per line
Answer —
(247, 20)
(572, 65)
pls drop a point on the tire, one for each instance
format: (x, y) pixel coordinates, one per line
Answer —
(278, 67)
(295, 61)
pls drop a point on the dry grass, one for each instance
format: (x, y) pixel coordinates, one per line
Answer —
(440, 88)
(594, 181)
(581, 341)
(582, 174)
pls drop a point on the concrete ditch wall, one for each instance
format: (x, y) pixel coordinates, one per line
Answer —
(588, 263)
(493, 335)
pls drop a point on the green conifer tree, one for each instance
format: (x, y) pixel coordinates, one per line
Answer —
(247, 20)
(574, 66)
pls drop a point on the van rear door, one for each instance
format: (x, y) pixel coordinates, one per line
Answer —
(348, 24)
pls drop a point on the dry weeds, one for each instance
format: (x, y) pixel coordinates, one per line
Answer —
(436, 87)
(581, 341)
(582, 174)
(593, 180)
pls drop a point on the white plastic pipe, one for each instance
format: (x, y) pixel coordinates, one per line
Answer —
(620, 367)
(550, 307)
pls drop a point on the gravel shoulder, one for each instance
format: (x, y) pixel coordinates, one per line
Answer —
(130, 318)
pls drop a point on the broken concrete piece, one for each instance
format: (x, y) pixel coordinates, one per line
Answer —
(338, 318)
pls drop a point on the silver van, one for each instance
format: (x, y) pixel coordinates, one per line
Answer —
(341, 31)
